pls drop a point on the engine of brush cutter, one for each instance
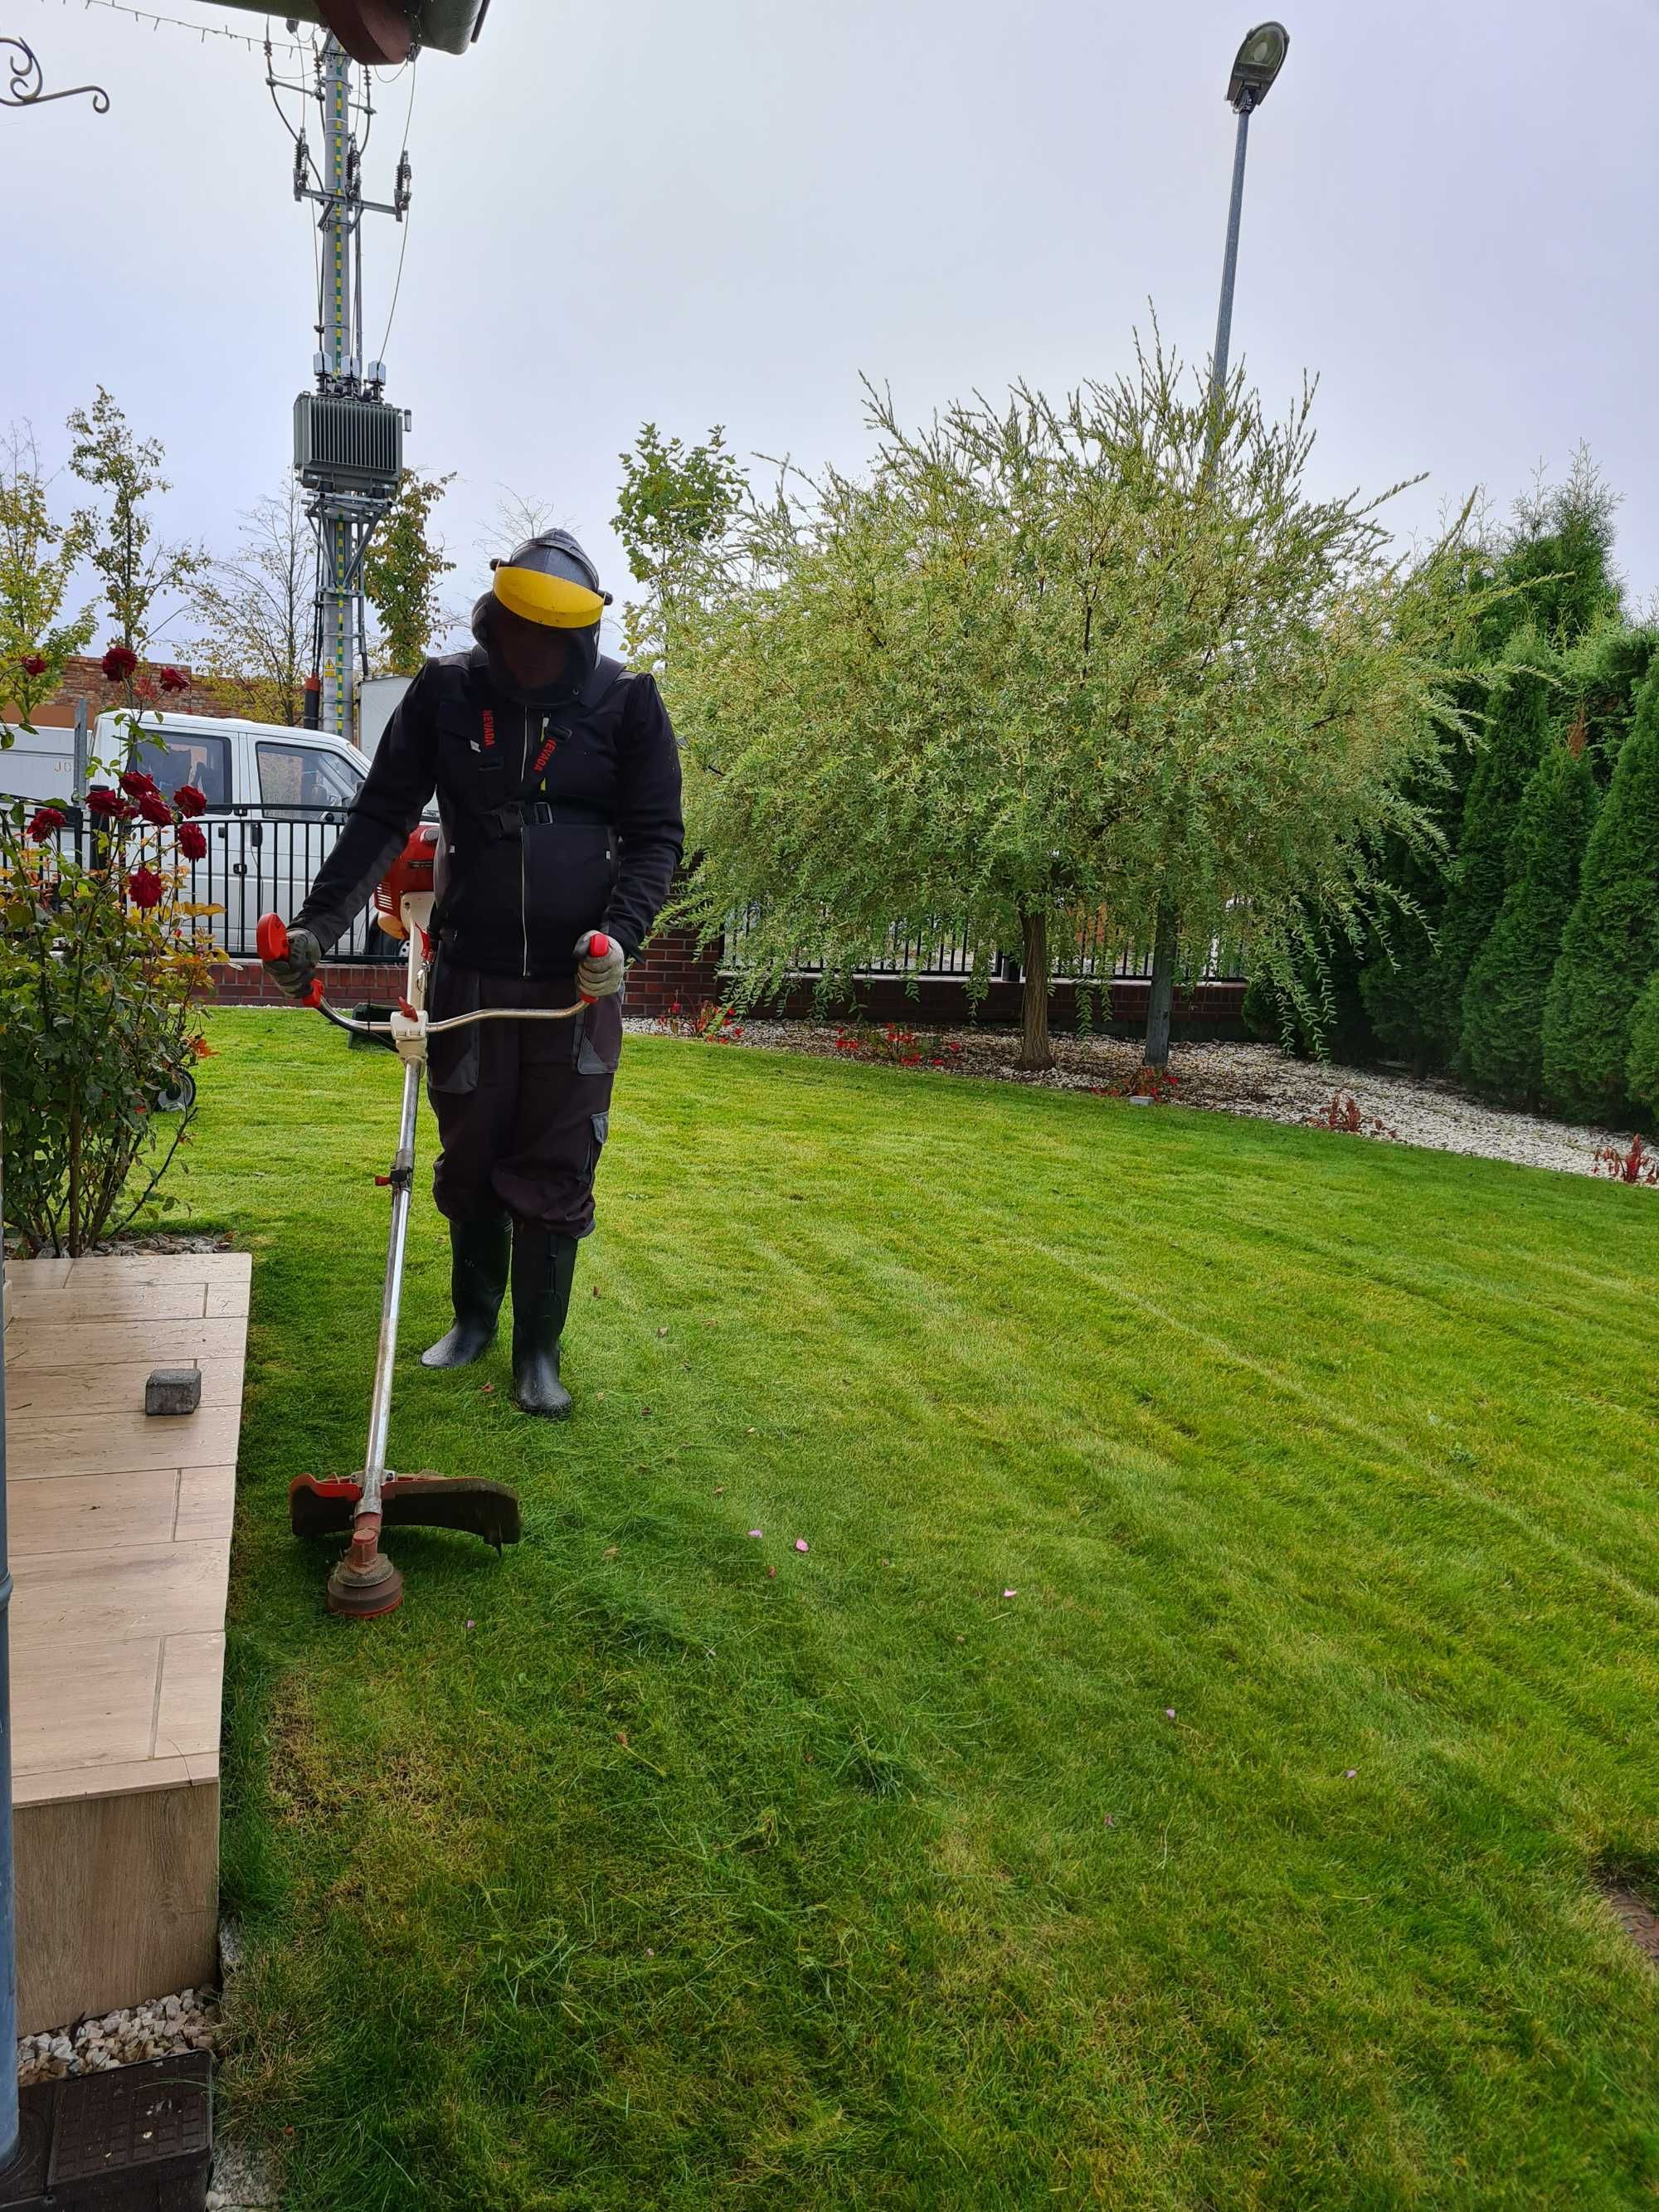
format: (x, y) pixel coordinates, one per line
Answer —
(404, 898)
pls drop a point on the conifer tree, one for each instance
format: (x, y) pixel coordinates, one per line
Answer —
(1502, 1042)
(1642, 1068)
(1523, 705)
(1609, 950)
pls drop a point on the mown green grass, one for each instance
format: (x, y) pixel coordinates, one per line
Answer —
(619, 1872)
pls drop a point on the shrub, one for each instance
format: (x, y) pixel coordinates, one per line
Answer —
(1641, 1067)
(1523, 706)
(1609, 951)
(1631, 1163)
(100, 977)
(1344, 1118)
(1502, 1044)
(896, 1046)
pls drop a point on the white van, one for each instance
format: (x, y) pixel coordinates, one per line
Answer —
(276, 798)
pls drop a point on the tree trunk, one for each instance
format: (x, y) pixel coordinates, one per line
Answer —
(1162, 994)
(1034, 1057)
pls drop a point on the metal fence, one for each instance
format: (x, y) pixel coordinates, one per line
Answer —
(252, 867)
(1091, 953)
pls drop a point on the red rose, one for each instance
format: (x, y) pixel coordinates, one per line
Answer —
(119, 663)
(44, 822)
(34, 665)
(189, 801)
(192, 841)
(154, 808)
(145, 888)
(137, 784)
(172, 679)
(101, 800)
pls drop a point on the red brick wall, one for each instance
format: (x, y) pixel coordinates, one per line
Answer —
(669, 970)
(85, 679)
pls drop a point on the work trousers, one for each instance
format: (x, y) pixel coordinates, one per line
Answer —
(523, 1107)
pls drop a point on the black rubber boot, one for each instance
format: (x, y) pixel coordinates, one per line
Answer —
(543, 1266)
(477, 1283)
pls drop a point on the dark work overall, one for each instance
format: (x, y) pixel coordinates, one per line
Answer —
(527, 1133)
(561, 814)
(556, 820)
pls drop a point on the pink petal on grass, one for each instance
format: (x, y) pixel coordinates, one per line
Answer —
(1011, 1593)
(800, 1543)
(470, 1624)
(1349, 1772)
(1169, 1712)
(771, 1574)
(757, 1532)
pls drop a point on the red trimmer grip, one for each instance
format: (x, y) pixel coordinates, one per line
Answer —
(270, 940)
(599, 944)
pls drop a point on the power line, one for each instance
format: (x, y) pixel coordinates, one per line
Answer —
(203, 31)
(397, 284)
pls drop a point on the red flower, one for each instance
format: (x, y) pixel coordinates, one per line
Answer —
(119, 663)
(43, 822)
(172, 679)
(34, 665)
(192, 841)
(189, 801)
(145, 888)
(137, 784)
(154, 808)
(101, 800)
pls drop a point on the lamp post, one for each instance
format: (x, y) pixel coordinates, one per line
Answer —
(1258, 62)
(1260, 57)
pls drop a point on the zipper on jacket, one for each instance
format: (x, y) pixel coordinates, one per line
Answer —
(524, 903)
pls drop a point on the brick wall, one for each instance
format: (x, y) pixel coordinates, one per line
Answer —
(85, 679)
(670, 969)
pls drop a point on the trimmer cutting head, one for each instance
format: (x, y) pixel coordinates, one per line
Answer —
(485, 1509)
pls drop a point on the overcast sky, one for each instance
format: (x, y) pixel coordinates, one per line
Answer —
(725, 213)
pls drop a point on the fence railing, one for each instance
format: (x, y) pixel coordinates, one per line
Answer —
(252, 866)
(1093, 953)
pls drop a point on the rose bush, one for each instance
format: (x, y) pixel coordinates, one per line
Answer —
(101, 971)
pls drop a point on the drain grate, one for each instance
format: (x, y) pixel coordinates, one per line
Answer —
(134, 2139)
(1634, 1915)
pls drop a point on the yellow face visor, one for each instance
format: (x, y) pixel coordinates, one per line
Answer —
(553, 601)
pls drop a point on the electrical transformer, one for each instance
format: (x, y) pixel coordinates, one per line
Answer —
(385, 30)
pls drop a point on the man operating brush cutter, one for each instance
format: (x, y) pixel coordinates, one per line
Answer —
(558, 785)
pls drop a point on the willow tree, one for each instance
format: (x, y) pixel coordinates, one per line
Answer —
(1049, 664)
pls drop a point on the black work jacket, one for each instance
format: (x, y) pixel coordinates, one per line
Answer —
(556, 820)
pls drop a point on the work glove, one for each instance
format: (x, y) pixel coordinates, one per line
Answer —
(293, 973)
(598, 975)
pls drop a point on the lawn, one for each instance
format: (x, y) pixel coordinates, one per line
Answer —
(1174, 1775)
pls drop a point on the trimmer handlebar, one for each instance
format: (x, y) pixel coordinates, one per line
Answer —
(271, 941)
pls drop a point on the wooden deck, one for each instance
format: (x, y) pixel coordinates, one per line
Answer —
(120, 1552)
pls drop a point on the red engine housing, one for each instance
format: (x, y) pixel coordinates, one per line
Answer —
(409, 876)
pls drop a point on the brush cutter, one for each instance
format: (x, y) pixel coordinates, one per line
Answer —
(364, 1581)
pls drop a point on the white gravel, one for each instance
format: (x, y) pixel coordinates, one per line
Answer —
(1255, 1079)
(159, 2029)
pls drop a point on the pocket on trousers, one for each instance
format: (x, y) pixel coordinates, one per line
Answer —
(600, 1125)
(598, 1038)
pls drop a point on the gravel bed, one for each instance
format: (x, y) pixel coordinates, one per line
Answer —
(159, 2029)
(159, 1241)
(1254, 1079)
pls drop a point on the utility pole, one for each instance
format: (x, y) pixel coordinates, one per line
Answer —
(348, 440)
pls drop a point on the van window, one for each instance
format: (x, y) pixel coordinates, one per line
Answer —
(173, 757)
(303, 776)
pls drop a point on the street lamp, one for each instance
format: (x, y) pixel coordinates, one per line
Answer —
(1257, 63)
